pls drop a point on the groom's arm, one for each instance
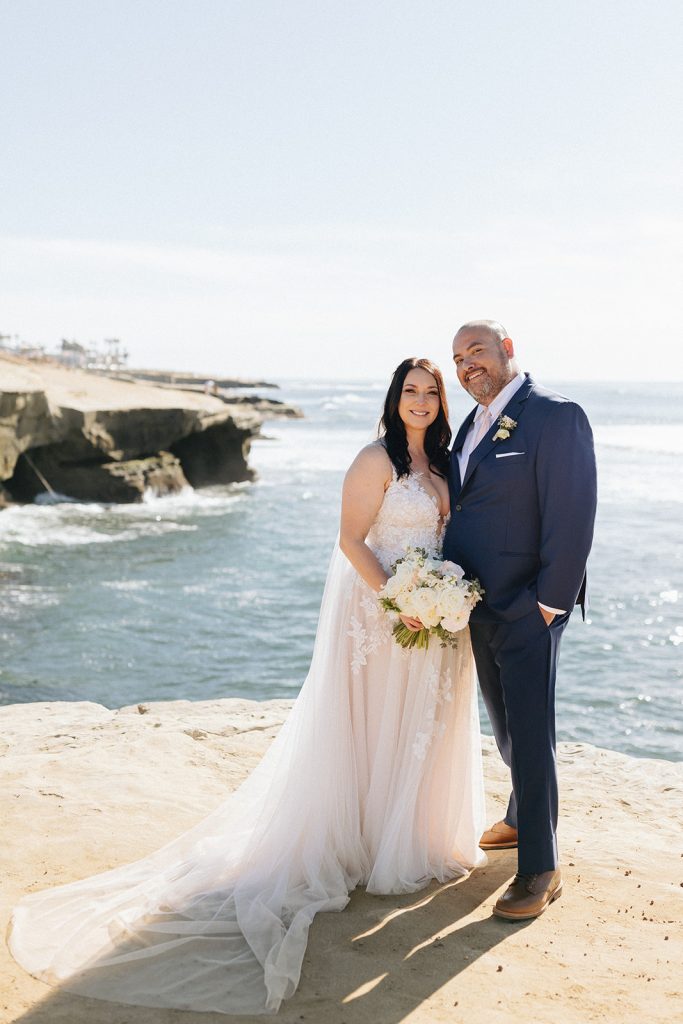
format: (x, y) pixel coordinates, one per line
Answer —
(567, 489)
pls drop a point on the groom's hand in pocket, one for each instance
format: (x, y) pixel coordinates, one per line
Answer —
(548, 616)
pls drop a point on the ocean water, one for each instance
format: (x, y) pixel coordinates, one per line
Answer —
(215, 593)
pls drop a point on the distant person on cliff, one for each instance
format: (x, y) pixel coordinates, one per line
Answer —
(375, 779)
(523, 499)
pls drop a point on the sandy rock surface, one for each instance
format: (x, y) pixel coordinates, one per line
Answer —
(78, 389)
(84, 789)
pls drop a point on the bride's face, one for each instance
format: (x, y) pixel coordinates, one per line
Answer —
(419, 403)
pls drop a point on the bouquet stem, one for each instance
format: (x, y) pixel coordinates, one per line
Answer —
(411, 638)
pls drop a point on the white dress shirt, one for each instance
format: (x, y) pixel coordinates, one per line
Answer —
(495, 408)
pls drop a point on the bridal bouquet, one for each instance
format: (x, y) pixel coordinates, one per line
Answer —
(432, 591)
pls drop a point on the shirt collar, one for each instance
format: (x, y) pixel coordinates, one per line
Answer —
(502, 398)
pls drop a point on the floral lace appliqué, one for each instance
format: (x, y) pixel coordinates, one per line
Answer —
(440, 691)
(368, 637)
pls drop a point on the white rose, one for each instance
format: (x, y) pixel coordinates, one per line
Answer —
(392, 588)
(452, 602)
(422, 605)
(452, 569)
(453, 624)
(407, 572)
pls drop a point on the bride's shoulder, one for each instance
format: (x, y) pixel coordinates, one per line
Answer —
(372, 463)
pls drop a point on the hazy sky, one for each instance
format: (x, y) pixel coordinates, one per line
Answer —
(323, 187)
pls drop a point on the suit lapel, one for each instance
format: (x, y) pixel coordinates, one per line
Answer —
(513, 409)
(482, 449)
(457, 445)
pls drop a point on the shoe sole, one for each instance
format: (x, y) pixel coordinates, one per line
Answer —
(498, 846)
(529, 917)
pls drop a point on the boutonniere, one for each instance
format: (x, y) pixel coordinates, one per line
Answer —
(505, 427)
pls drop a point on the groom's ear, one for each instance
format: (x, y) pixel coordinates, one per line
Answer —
(509, 347)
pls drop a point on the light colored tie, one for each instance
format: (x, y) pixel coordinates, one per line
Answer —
(485, 422)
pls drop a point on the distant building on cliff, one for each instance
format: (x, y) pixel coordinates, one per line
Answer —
(110, 356)
(113, 357)
(13, 343)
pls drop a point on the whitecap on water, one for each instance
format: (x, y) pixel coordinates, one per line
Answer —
(35, 526)
(73, 523)
(15, 598)
(662, 438)
(67, 526)
(125, 584)
(335, 385)
(210, 501)
(194, 588)
(339, 401)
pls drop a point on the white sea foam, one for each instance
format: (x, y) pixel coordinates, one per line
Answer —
(31, 596)
(330, 450)
(661, 438)
(125, 584)
(72, 526)
(32, 526)
(71, 523)
(355, 386)
(194, 588)
(15, 599)
(334, 402)
(210, 500)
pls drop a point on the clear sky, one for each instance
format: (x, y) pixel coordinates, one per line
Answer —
(323, 187)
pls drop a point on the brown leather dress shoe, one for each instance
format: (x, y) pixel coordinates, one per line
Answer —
(528, 895)
(499, 837)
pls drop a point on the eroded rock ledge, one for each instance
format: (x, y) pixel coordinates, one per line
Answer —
(84, 789)
(96, 438)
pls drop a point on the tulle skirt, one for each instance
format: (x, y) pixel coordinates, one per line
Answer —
(374, 779)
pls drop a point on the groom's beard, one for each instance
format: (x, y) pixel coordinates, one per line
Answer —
(491, 382)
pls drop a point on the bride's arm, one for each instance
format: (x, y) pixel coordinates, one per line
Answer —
(362, 495)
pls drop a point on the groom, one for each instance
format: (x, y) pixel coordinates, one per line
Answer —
(523, 497)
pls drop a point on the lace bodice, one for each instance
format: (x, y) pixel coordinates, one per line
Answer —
(408, 518)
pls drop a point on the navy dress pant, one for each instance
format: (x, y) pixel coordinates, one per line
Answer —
(517, 666)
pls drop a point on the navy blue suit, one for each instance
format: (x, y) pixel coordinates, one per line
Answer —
(523, 525)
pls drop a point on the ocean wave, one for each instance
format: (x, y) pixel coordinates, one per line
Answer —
(359, 386)
(72, 523)
(125, 584)
(212, 500)
(331, 403)
(660, 438)
(15, 599)
(38, 526)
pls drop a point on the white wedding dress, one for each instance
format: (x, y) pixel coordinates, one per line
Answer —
(375, 779)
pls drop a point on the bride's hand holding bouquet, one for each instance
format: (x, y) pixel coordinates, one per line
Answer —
(431, 596)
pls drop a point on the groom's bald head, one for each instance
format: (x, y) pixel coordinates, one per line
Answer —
(494, 328)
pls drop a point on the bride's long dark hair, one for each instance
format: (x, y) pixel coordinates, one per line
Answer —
(392, 430)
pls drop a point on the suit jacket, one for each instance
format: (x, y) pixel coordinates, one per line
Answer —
(522, 519)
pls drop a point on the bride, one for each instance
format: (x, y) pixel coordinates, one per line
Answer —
(375, 779)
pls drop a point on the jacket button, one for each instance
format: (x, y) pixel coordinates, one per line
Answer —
(458, 508)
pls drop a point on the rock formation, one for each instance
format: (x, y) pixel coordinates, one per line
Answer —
(96, 438)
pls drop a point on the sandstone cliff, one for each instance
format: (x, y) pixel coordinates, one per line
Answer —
(100, 439)
(83, 789)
